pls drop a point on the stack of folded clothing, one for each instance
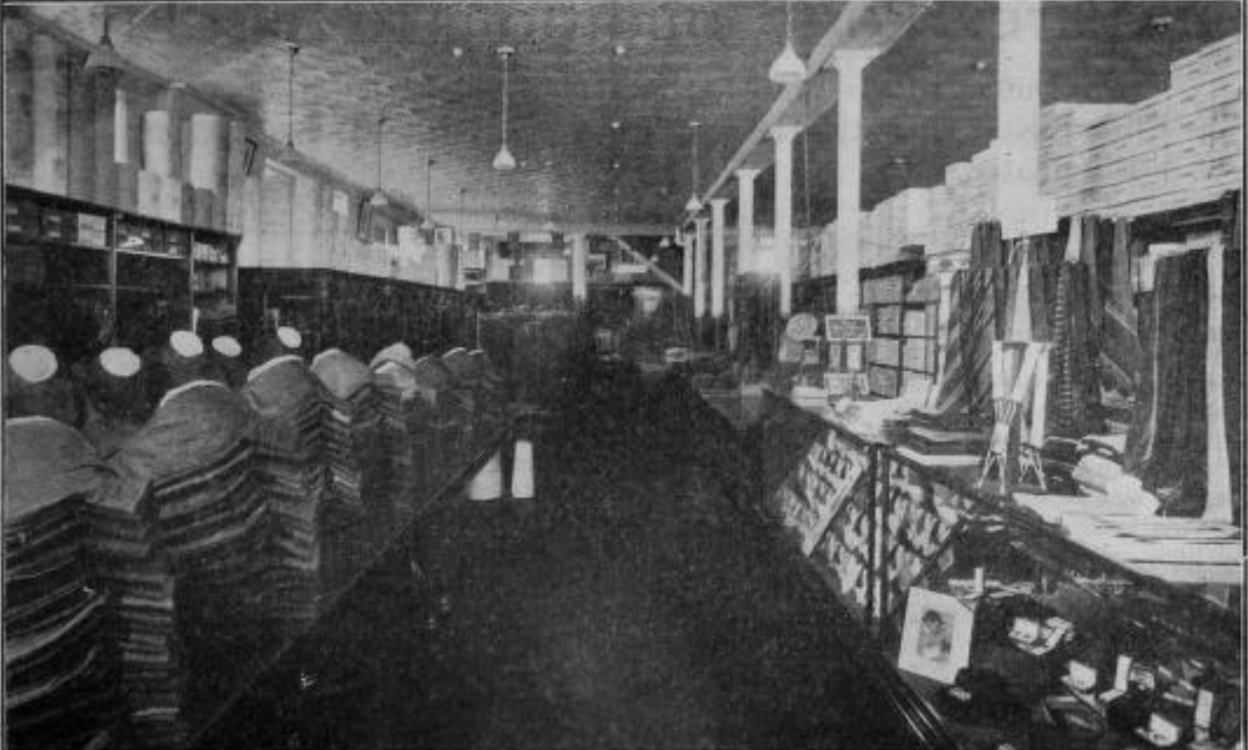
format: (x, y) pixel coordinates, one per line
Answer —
(61, 688)
(463, 398)
(490, 397)
(350, 422)
(403, 418)
(128, 565)
(286, 400)
(443, 421)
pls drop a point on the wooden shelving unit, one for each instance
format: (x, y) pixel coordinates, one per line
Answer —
(77, 273)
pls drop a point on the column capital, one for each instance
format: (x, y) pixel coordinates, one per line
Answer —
(783, 135)
(747, 174)
(701, 221)
(717, 204)
(851, 61)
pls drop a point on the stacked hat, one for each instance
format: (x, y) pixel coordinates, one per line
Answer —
(444, 422)
(286, 399)
(227, 354)
(117, 393)
(60, 677)
(34, 388)
(404, 413)
(122, 541)
(351, 423)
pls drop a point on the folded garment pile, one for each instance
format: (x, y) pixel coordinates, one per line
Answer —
(448, 417)
(60, 678)
(350, 422)
(129, 566)
(286, 400)
(405, 407)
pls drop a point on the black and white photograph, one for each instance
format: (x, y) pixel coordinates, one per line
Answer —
(613, 374)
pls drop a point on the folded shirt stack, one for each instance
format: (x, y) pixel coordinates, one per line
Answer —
(128, 564)
(350, 422)
(406, 408)
(61, 687)
(285, 398)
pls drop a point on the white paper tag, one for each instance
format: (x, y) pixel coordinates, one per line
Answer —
(1121, 673)
(1204, 710)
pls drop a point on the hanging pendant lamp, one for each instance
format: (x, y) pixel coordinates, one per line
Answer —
(504, 161)
(288, 151)
(428, 225)
(104, 56)
(694, 205)
(379, 198)
(665, 243)
(787, 67)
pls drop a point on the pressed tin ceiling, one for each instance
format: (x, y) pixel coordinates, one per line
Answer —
(929, 101)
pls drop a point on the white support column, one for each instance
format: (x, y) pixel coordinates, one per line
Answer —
(717, 257)
(699, 269)
(849, 65)
(783, 136)
(580, 255)
(1020, 207)
(686, 279)
(745, 220)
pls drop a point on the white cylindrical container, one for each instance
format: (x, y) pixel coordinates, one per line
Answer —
(487, 483)
(522, 471)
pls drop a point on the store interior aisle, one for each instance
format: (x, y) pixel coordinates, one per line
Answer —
(633, 604)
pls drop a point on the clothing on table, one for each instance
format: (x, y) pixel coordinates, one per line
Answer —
(116, 406)
(61, 687)
(350, 422)
(56, 398)
(285, 398)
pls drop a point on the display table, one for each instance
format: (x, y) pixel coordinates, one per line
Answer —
(878, 521)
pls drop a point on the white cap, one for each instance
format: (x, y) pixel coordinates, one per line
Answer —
(186, 343)
(227, 346)
(120, 362)
(34, 363)
(289, 337)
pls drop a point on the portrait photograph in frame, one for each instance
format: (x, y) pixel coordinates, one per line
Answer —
(936, 640)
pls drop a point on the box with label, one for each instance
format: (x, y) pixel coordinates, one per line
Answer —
(918, 354)
(93, 230)
(888, 320)
(21, 217)
(885, 352)
(57, 225)
(884, 381)
(914, 323)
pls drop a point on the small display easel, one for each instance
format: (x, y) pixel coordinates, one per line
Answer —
(848, 337)
(1013, 381)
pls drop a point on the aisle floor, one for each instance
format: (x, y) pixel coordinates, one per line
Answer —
(632, 604)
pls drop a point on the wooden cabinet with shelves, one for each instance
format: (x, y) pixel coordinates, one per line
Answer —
(79, 276)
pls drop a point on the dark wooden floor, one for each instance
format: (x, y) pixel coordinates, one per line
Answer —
(633, 604)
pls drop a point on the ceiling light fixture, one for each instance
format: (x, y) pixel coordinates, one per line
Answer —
(288, 151)
(379, 198)
(665, 243)
(428, 225)
(104, 56)
(694, 205)
(504, 161)
(787, 67)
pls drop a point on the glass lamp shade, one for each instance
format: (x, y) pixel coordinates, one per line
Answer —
(379, 199)
(665, 242)
(103, 57)
(504, 161)
(694, 205)
(427, 225)
(288, 152)
(787, 67)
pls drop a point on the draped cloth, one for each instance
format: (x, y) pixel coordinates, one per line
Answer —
(1074, 394)
(1167, 441)
(966, 386)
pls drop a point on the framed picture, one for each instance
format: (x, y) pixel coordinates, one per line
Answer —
(936, 641)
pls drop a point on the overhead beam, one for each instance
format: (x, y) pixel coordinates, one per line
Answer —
(861, 25)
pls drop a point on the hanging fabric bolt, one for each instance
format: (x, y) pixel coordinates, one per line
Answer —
(522, 471)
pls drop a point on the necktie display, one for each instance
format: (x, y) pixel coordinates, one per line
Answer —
(350, 423)
(1167, 440)
(61, 687)
(1074, 391)
(286, 401)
